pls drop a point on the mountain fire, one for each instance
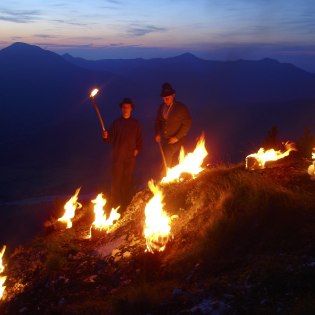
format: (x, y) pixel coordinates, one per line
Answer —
(258, 160)
(101, 222)
(157, 229)
(190, 163)
(70, 207)
(2, 278)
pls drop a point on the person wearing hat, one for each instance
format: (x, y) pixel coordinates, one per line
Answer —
(172, 124)
(125, 135)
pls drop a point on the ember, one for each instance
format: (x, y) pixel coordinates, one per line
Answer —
(101, 222)
(2, 278)
(157, 229)
(70, 207)
(190, 163)
(258, 160)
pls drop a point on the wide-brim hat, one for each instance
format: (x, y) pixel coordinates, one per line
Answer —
(167, 90)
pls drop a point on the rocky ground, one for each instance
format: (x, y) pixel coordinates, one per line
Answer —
(243, 243)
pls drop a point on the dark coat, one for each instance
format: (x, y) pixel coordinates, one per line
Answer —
(177, 124)
(125, 136)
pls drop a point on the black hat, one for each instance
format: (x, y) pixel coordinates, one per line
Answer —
(167, 90)
(126, 100)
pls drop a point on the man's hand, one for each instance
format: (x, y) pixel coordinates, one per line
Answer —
(158, 138)
(172, 140)
(135, 152)
(105, 134)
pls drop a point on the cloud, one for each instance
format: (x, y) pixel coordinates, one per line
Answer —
(20, 16)
(116, 2)
(45, 36)
(70, 22)
(139, 30)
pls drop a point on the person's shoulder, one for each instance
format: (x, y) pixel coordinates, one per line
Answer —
(161, 106)
(117, 120)
(180, 105)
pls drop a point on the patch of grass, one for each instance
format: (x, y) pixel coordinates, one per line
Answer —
(238, 214)
(55, 261)
(143, 298)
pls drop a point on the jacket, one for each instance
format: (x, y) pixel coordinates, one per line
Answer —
(177, 124)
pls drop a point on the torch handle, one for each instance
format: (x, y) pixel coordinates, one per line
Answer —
(98, 114)
(163, 157)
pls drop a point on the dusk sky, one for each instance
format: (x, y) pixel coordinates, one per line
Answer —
(211, 29)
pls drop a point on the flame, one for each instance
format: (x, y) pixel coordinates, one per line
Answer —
(2, 278)
(101, 222)
(1, 255)
(262, 156)
(94, 92)
(70, 207)
(190, 163)
(2, 287)
(157, 229)
(311, 168)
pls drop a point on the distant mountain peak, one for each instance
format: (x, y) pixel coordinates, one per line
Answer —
(270, 60)
(187, 56)
(19, 46)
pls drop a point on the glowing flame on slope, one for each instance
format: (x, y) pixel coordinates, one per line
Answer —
(2, 278)
(157, 229)
(311, 168)
(188, 163)
(101, 222)
(1, 255)
(94, 92)
(70, 207)
(262, 156)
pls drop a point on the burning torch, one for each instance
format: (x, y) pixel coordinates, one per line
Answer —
(92, 97)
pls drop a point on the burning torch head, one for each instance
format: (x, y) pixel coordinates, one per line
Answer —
(93, 93)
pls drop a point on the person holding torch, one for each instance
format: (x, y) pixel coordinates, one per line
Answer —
(125, 136)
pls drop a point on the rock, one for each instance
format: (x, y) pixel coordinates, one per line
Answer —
(23, 309)
(177, 292)
(126, 255)
(134, 243)
(106, 249)
(117, 259)
(116, 251)
(83, 264)
(126, 282)
(61, 302)
(90, 279)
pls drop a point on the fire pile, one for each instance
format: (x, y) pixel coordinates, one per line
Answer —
(311, 168)
(2, 278)
(157, 230)
(101, 222)
(190, 163)
(258, 160)
(70, 208)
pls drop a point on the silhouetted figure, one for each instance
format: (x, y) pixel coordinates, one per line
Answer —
(125, 135)
(172, 124)
(271, 141)
(306, 144)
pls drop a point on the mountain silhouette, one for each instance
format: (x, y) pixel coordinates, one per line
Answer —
(51, 139)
